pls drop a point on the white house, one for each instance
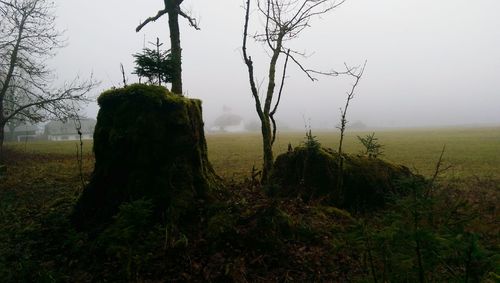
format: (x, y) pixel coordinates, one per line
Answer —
(67, 131)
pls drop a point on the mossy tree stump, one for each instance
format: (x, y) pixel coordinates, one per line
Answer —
(312, 174)
(148, 143)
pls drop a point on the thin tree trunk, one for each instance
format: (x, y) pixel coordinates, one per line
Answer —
(267, 132)
(416, 219)
(1, 144)
(267, 148)
(340, 169)
(175, 45)
(2, 132)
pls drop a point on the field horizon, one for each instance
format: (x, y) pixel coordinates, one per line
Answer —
(471, 152)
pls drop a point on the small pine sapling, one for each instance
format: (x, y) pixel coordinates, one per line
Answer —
(312, 144)
(155, 65)
(372, 148)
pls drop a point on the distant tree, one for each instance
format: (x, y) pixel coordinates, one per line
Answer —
(284, 20)
(28, 38)
(227, 120)
(358, 125)
(252, 126)
(155, 65)
(173, 9)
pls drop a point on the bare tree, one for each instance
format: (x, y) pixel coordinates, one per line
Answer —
(173, 9)
(284, 20)
(356, 73)
(28, 38)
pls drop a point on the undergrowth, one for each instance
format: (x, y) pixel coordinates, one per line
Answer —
(441, 232)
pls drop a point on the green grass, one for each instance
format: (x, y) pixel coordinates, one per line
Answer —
(47, 147)
(39, 244)
(471, 152)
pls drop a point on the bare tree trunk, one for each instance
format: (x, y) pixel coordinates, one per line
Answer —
(342, 128)
(1, 143)
(2, 131)
(267, 147)
(267, 132)
(175, 45)
(173, 9)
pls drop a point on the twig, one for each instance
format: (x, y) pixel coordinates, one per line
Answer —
(437, 171)
(342, 127)
(123, 75)
(79, 150)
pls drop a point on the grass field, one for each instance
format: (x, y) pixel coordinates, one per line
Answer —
(470, 151)
(42, 183)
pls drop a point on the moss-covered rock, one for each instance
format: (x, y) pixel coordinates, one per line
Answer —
(150, 144)
(312, 174)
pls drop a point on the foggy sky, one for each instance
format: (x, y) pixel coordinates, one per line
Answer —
(429, 62)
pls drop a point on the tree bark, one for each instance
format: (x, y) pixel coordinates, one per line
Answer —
(175, 45)
(1, 144)
(267, 132)
(2, 131)
(267, 148)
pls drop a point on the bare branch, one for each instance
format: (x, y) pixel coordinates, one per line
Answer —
(151, 19)
(192, 21)
(310, 72)
(343, 123)
(249, 63)
(350, 95)
(439, 169)
(282, 83)
(58, 103)
(284, 20)
(123, 75)
(28, 39)
(271, 115)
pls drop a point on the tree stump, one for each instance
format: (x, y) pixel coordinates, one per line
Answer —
(312, 175)
(148, 143)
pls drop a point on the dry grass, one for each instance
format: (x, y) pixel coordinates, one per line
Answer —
(471, 152)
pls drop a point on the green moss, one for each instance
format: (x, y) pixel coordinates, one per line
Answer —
(153, 93)
(148, 143)
(312, 174)
(304, 172)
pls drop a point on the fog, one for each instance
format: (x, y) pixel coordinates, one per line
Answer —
(430, 63)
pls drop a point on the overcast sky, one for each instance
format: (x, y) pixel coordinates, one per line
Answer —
(429, 62)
